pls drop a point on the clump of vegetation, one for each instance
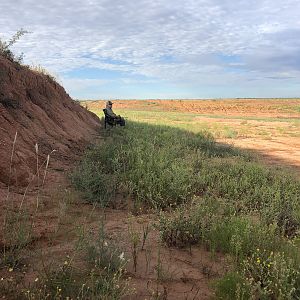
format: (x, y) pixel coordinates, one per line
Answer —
(251, 187)
(16, 235)
(100, 277)
(41, 70)
(144, 161)
(5, 47)
(272, 275)
(97, 184)
(162, 167)
(232, 286)
(214, 223)
(263, 275)
(256, 248)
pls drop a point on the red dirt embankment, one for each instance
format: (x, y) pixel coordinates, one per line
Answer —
(40, 111)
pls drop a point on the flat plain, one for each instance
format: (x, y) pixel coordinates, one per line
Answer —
(268, 127)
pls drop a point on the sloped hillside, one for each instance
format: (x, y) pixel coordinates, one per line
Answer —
(40, 111)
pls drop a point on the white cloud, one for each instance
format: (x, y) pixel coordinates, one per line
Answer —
(174, 41)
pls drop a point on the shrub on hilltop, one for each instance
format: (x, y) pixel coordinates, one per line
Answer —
(5, 47)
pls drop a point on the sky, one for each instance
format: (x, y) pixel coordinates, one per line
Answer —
(149, 49)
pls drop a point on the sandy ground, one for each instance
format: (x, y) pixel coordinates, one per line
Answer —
(186, 273)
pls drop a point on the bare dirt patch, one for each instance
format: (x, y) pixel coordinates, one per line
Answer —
(162, 272)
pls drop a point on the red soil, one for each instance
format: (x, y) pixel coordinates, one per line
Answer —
(40, 111)
(285, 108)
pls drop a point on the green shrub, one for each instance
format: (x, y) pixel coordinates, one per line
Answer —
(5, 47)
(214, 223)
(239, 237)
(272, 275)
(254, 188)
(232, 286)
(190, 224)
(179, 229)
(96, 185)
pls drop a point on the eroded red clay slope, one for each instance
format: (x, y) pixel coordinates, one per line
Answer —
(40, 111)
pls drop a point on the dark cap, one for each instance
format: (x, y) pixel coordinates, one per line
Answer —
(109, 102)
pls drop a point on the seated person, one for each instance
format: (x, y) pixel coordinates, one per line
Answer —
(118, 119)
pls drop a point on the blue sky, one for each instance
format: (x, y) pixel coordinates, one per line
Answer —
(107, 49)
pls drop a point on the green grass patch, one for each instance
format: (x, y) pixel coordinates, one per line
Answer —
(156, 165)
(184, 116)
(199, 122)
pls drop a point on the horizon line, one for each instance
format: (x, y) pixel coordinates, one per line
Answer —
(189, 99)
